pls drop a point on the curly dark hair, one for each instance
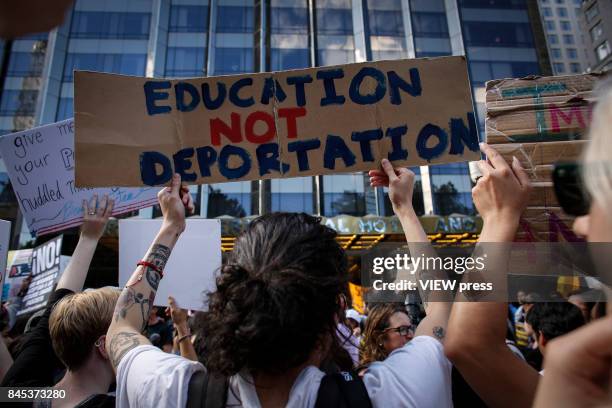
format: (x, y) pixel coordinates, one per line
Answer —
(277, 296)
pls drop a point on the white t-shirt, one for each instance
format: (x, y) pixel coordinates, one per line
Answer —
(416, 375)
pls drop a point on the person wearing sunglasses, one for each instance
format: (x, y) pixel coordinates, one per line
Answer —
(387, 328)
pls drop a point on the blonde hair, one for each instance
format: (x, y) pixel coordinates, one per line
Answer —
(77, 321)
(598, 154)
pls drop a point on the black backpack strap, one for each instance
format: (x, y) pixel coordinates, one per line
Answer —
(216, 391)
(207, 390)
(343, 390)
(196, 392)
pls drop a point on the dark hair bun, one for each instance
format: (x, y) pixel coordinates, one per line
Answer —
(276, 297)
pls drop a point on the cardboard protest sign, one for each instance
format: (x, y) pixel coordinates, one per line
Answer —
(18, 267)
(190, 271)
(47, 267)
(541, 121)
(269, 125)
(40, 164)
(5, 232)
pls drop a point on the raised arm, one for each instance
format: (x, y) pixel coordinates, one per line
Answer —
(36, 363)
(138, 296)
(95, 216)
(401, 186)
(179, 320)
(482, 357)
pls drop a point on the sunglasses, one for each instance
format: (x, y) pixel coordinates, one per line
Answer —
(402, 330)
(569, 188)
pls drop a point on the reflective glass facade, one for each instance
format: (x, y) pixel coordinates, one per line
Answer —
(187, 38)
(24, 59)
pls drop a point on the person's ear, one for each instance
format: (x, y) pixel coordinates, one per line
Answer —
(100, 345)
(542, 340)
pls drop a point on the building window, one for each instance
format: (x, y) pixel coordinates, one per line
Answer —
(233, 60)
(388, 22)
(18, 102)
(568, 39)
(572, 53)
(577, 2)
(553, 39)
(562, 12)
(188, 19)
(65, 109)
(494, 34)
(592, 12)
(603, 51)
(101, 24)
(128, 64)
(289, 58)
(575, 68)
(559, 67)
(235, 19)
(344, 194)
(289, 20)
(335, 39)
(293, 194)
(430, 25)
(560, 1)
(596, 32)
(550, 25)
(185, 61)
(23, 64)
(335, 21)
(566, 26)
(289, 36)
(451, 189)
(547, 12)
(556, 53)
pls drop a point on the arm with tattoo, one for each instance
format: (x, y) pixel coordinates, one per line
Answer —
(401, 186)
(138, 296)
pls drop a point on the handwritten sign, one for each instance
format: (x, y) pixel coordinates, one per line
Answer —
(40, 164)
(269, 125)
(47, 266)
(18, 267)
(5, 232)
(190, 278)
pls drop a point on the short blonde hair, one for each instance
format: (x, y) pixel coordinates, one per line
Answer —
(598, 154)
(78, 320)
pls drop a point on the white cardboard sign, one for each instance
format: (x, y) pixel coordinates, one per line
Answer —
(40, 163)
(192, 267)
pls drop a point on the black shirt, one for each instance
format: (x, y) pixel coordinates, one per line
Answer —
(37, 365)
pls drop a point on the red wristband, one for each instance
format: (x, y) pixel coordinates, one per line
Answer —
(152, 266)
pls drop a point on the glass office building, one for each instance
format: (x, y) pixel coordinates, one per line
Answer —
(186, 38)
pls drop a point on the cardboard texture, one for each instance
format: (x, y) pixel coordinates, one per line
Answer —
(538, 109)
(269, 125)
(540, 121)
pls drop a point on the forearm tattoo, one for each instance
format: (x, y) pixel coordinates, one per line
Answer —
(158, 256)
(120, 344)
(128, 298)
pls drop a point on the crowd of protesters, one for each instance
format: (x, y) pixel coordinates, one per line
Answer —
(279, 329)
